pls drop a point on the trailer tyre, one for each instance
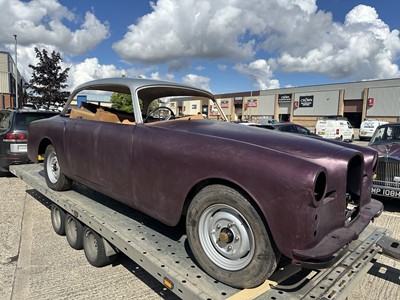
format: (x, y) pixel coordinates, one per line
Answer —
(74, 232)
(57, 215)
(53, 174)
(229, 239)
(94, 249)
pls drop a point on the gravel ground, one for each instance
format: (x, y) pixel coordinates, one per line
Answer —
(36, 263)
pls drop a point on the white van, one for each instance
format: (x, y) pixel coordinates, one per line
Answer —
(368, 128)
(335, 129)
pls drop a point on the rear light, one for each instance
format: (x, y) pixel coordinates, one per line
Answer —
(337, 131)
(12, 137)
(315, 130)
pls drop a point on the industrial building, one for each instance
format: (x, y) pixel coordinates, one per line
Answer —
(7, 82)
(375, 99)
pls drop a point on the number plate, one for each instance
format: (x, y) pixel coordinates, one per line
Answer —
(321, 133)
(386, 192)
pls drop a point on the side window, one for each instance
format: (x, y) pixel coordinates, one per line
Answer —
(4, 120)
(288, 128)
(302, 130)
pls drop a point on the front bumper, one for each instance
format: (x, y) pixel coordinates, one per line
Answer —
(330, 248)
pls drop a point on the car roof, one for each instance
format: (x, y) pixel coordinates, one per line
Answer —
(389, 125)
(147, 89)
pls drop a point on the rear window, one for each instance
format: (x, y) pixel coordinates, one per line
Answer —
(4, 120)
(24, 119)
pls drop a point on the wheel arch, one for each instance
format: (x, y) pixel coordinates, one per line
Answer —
(43, 145)
(211, 181)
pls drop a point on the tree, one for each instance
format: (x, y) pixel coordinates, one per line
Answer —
(48, 79)
(122, 102)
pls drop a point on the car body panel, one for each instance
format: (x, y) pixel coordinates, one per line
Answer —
(158, 167)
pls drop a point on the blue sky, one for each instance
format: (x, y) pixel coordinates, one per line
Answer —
(224, 46)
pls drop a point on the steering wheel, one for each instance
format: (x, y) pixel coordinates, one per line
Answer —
(170, 114)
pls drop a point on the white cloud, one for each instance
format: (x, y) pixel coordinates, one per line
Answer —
(259, 37)
(222, 67)
(361, 48)
(91, 69)
(44, 21)
(260, 73)
(197, 81)
(294, 36)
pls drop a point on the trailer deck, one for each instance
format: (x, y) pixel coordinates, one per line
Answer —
(164, 252)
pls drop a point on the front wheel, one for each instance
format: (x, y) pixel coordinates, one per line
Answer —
(55, 179)
(229, 239)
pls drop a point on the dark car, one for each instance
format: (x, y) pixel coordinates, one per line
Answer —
(285, 127)
(294, 128)
(386, 140)
(249, 195)
(14, 134)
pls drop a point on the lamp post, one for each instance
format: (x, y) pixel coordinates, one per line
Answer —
(16, 73)
(251, 95)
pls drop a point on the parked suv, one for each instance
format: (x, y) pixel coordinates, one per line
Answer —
(14, 135)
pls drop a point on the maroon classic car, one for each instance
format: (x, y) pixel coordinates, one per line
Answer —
(386, 140)
(249, 195)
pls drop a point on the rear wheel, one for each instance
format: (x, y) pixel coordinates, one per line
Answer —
(229, 239)
(55, 179)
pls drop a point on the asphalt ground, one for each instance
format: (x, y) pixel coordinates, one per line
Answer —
(36, 263)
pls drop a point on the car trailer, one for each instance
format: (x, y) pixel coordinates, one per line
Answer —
(108, 227)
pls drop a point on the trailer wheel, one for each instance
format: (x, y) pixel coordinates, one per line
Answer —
(74, 232)
(55, 179)
(94, 249)
(229, 239)
(57, 215)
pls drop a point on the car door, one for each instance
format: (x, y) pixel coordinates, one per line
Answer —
(101, 155)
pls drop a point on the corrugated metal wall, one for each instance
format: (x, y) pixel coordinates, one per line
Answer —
(386, 101)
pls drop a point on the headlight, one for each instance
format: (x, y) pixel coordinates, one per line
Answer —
(319, 187)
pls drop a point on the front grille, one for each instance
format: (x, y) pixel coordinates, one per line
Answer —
(386, 173)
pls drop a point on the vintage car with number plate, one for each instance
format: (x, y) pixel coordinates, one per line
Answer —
(386, 140)
(249, 195)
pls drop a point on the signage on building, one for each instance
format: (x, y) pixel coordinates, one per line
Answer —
(370, 101)
(224, 103)
(306, 101)
(251, 103)
(284, 97)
